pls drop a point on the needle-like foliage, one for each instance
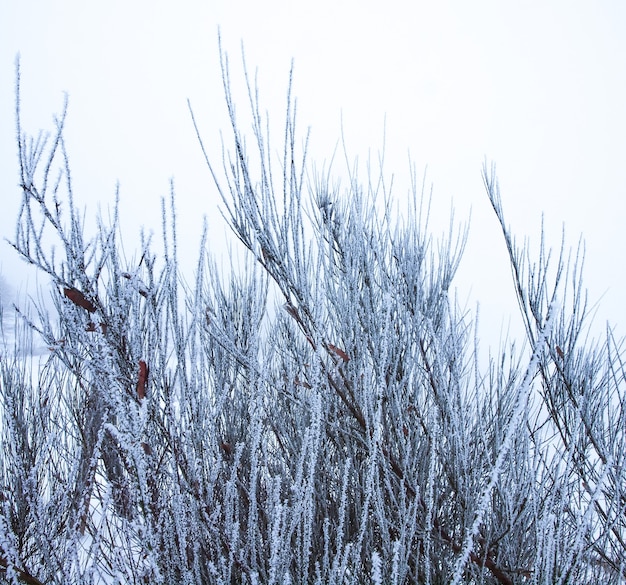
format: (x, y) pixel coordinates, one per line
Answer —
(319, 416)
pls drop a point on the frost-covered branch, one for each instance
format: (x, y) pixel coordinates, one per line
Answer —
(319, 415)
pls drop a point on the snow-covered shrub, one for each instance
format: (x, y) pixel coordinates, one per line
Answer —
(319, 417)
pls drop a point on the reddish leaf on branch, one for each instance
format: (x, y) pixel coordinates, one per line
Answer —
(143, 380)
(342, 354)
(79, 299)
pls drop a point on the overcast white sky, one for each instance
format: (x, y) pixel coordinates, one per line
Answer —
(538, 87)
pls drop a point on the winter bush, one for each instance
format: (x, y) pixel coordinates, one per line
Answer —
(320, 416)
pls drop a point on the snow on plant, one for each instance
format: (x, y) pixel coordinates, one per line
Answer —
(517, 419)
(318, 416)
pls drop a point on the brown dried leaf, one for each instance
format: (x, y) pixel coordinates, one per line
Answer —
(143, 380)
(79, 299)
(342, 354)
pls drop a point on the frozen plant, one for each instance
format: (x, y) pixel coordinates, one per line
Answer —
(319, 416)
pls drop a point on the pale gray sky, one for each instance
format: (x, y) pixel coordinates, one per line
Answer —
(537, 87)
